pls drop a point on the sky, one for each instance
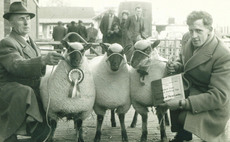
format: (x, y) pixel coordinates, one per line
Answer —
(162, 9)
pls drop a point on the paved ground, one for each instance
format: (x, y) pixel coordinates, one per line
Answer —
(65, 131)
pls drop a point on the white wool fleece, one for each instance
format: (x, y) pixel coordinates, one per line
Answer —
(112, 88)
(141, 95)
(57, 87)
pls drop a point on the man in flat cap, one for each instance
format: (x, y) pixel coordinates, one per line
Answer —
(21, 67)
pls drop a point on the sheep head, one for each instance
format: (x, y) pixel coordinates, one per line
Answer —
(115, 55)
(142, 51)
(75, 52)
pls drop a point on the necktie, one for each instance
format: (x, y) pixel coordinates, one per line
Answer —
(28, 41)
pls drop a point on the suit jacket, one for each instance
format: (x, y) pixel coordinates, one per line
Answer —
(59, 33)
(135, 28)
(20, 71)
(206, 75)
(105, 24)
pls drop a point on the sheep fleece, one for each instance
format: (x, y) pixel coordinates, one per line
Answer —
(112, 88)
(141, 95)
(56, 86)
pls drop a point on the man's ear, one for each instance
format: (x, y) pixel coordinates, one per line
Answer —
(104, 46)
(87, 46)
(155, 44)
(65, 44)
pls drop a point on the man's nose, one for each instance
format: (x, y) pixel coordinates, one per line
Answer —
(194, 34)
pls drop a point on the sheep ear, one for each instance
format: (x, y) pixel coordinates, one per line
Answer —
(87, 46)
(104, 46)
(155, 44)
(65, 43)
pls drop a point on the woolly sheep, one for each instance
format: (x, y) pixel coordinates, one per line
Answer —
(111, 77)
(56, 88)
(150, 66)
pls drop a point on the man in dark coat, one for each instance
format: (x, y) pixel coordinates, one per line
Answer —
(106, 24)
(205, 67)
(92, 35)
(81, 30)
(59, 33)
(135, 26)
(21, 67)
(72, 28)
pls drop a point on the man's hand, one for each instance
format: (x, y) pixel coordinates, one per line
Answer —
(171, 67)
(52, 58)
(171, 104)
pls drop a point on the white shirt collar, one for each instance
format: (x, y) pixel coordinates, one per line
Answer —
(26, 38)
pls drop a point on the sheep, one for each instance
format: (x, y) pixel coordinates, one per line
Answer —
(68, 89)
(147, 66)
(111, 77)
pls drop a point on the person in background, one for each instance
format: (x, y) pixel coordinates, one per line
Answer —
(205, 67)
(81, 30)
(106, 24)
(92, 34)
(72, 28)
(135, 26)
(59, 33)
(124, 41)
(21, 68)
(115, 34)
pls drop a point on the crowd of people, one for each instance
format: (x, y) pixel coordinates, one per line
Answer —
(125, 30)
(204, 64)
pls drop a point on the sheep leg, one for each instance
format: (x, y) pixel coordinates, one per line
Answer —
(113, 120)
(123, 129)
(161, 120)
(100, 119)
(134, 122)
(144, 127)
(79, 130)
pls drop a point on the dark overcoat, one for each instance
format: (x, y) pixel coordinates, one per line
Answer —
(59, 33)
(105, 24)
(135, 28)
(20, 72)
(206, 75)
(73, 38)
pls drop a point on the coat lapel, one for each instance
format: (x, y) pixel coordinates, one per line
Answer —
(202, 56)
(26, 48)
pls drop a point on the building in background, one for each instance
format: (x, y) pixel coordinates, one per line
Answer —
(32, 6)
(49, 16)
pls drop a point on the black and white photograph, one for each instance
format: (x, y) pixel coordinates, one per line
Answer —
(114, 71)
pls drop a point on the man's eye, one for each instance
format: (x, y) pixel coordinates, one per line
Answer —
(198, 31)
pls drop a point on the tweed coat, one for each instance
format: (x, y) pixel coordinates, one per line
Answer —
(134, 28)
(105, 25)
(20, 72)
(206, 75)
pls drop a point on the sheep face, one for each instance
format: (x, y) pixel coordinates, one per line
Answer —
(115, 55)
(75, 52)
(142, 51)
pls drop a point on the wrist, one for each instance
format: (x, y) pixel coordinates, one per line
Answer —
(43, 60)
(182, 104)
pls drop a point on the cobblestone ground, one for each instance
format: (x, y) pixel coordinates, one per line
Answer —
(65, 130)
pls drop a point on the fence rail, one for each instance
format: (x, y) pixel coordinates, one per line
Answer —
(167, 48)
